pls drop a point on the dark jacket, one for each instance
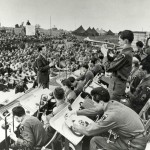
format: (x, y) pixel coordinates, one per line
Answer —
(42, 70)
(141, 95)
(122, 64)
(32, 134)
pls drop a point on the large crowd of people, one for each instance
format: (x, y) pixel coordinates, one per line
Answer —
(129, 70)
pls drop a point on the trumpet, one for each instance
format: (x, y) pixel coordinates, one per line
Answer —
(113, 45)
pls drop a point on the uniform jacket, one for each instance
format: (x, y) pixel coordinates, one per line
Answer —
(122, 64)
(31, 129)
(123, 122)
(139, 98)
(136, 77)
(42, 70)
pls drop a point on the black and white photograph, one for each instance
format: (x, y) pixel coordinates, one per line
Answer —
(74, 75)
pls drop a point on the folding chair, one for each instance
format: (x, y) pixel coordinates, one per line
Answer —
(56, 136)
(144, 110)
(145, 117)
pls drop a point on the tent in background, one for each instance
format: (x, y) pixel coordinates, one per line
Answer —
(95, 32)
(101, 31)
(79, 31)
(88, 32)
(110, 33)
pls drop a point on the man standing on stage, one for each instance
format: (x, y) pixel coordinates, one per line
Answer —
(121, 66)
(43, 67)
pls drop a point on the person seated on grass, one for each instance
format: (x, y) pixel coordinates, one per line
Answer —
(3, 86)
(11, 82)
(35, 83)
(21, 87)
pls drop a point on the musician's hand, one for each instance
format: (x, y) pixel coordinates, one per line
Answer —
(70, 113)
(44, 118)
(111, 54)
(51, 64)
(13, 136)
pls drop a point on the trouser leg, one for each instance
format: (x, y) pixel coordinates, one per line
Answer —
(99, 142)
(116, 88)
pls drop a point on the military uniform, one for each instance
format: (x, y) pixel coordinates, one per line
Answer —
(136, 78)
(70, 96)
(120, 67)
(126, 130)
(88, 76)
(30, 134)
(141, 95)
(42, 72)
(97, 69)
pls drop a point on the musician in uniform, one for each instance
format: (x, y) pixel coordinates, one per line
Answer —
(30, 131)
(121, 66)
(86, 74)
(70, 94)
(140, 96)
(119, 127)
(43, 67)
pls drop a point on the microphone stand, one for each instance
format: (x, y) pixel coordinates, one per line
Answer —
(13, 124)
(59, 63)
(39, 106)
(6, 127)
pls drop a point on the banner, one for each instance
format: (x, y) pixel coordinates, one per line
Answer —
(30, 30)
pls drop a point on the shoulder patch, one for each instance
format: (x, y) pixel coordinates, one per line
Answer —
(104, 117)
(120, 57)
(21, 128)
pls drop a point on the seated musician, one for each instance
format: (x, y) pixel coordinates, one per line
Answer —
(97, 67)
(119, 127)
(59, 96)
(77, 85)
(138, 99)
(136, 75)
(86, 74)
(70, 94)
(30, 128)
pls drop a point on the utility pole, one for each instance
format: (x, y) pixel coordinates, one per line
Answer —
(50, 47)
(50, 26)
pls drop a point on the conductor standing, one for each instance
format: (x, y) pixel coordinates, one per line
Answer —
(43, 67)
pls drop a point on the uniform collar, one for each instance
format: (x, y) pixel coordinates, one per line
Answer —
(58, 103)
(127, 49)
(146, 79)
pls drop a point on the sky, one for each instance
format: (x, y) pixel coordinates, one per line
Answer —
(116, 15)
